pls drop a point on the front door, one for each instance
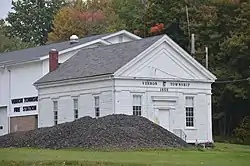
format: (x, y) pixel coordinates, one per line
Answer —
(164, 118)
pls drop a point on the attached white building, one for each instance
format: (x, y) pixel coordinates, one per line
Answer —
(152, 77)
(20, 69)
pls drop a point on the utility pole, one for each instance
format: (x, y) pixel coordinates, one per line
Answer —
(193, 45)
(188, 26)
(206, 50)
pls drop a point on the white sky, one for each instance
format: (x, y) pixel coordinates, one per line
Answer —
(5, 7)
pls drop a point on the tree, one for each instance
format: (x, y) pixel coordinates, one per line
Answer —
(32, 19)
(91, 17)
(131, 14)
(222, 26)
(69, 21)
(243, 130)
(10, 44)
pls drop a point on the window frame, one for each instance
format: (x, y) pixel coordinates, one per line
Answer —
(190, 113)
(55, 112)
(137, 109)
(97, 106)
(76, 108)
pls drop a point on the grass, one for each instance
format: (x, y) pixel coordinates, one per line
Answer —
(222, 155)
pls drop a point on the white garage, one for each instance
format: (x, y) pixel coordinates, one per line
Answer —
(3, 120)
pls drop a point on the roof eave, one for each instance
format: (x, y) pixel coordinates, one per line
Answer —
(133, 36)
(71, 81)
(78, 47)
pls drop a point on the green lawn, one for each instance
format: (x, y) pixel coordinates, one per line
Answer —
(222, 155)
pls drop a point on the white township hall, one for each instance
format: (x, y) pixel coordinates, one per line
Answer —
(116, 73)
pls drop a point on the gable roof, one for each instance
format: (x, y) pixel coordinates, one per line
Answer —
(204, 71)
(99, 61)
(35, 53)
(41, 52)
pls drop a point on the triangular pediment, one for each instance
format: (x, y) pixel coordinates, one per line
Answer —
(164, 61)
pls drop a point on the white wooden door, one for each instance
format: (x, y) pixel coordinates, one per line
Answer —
(164, 118)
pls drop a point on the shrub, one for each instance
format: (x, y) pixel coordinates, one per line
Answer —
(243, 131)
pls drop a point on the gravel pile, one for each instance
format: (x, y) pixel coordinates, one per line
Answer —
(109, 132)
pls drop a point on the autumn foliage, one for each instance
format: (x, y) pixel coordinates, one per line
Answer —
(157, 28)
(69, 21)
(89, 16)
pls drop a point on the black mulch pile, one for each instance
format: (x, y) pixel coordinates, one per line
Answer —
(109, 132)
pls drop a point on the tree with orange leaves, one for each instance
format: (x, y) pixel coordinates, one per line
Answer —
(82, 19)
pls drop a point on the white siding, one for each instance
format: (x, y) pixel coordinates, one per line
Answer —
(4, 87)
(21, 80)
(45, 111)
(123, 102)
(106, 103)
(118, 39)
(65, 94)
(62, 58)
(65, 109)
(86, 103)
(201, 92)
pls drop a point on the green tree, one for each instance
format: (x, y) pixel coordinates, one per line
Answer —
(243, 130)
(130, 14)
(31, 20)
(222, 26)
(10, 44)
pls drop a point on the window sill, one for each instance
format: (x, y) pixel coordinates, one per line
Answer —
(190, 128)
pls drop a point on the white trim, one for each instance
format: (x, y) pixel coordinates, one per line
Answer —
(177, 48)
(101, 40)
(21, 63)
(3, 106)
(72, 81)
(122, 32)
(190, 58)
(163, 79)
(30, 113)
(78, 47)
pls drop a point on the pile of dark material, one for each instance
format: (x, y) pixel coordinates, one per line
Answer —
(109, 132)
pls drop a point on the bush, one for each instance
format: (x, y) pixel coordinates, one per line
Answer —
(243, 131)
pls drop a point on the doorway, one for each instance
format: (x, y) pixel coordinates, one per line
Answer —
(164, 118)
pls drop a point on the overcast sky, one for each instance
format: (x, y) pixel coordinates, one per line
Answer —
(5, 6)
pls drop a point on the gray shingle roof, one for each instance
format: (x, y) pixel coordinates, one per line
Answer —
(99, 61)
(35, 53)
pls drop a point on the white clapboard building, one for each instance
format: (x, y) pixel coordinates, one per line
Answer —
(20, 69)
(151, 77)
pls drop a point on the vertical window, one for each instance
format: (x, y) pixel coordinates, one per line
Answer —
(97, 106)
(189, 111)
(55, 109)
(120, 39)
(75, 108)
(137, 105)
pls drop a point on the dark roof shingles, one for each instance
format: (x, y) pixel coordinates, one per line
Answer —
(99, 61)
(36, 52)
